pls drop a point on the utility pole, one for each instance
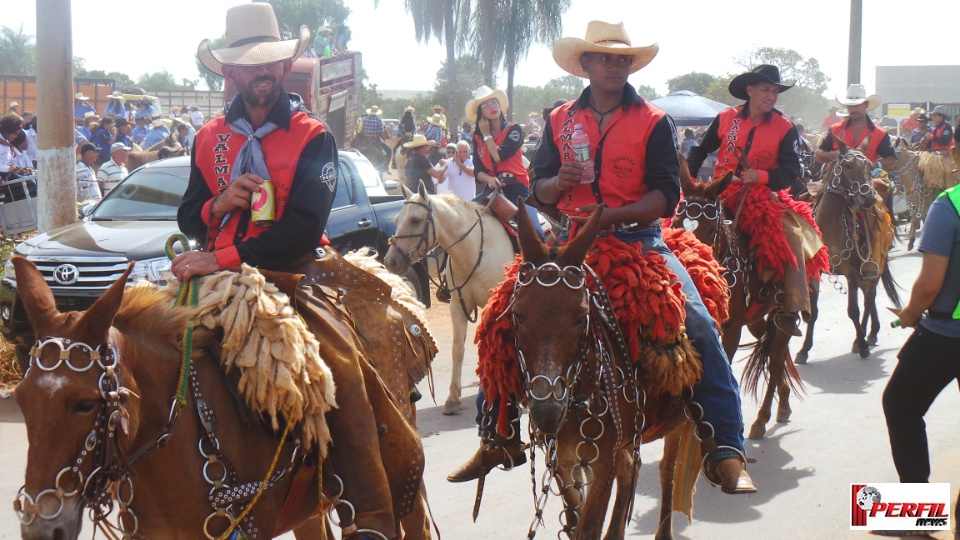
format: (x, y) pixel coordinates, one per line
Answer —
(56, 155)
(856, 37)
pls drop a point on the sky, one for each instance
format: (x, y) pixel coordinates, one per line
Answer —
(694, 35)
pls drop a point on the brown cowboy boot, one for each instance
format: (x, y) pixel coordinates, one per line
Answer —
(492, 453)
(730, 474)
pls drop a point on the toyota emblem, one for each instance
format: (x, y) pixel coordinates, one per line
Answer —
(66, 274)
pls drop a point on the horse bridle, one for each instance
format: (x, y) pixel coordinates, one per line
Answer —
(859, 189)
(425, 245)
(102, 443)
(733, 263)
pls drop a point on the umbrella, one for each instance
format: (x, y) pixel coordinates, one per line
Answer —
(689, 109)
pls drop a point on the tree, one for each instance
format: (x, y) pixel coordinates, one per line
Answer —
(313, 13)
(647, 92)
(536, 98)
(694, 82)
(212, 80)
(469, 73)
(806, 99)
(18, 53)
(528, 21)
(161, 80)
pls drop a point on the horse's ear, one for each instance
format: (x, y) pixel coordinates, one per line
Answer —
(686, 182)
(97, 320)
(35, 295)
(407, 194)
(531, 247)
(422, 191)
(865, 144)
(720, 185)
(576, 251)
(842, 146)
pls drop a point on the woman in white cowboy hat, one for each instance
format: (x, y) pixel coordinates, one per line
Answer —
(114, 106)
(266, 134)
(856, 128)
(418, 168)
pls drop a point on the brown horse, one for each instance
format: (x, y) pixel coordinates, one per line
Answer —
(558, 326)
(102, 427)
(919, 191)
(702, 213)
(857, 231)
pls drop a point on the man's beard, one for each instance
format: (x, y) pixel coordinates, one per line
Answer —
(250, 97)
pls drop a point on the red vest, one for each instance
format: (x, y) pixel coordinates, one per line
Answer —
(846, 135)
(623, 164)
(734, 130)
(216, 149)
(512, 165)
(938, 132)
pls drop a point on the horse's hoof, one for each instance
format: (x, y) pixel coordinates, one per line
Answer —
(863, 352)
(451, 408)
(783, 416)
(872, 341)
(757, 431)
(801, 358)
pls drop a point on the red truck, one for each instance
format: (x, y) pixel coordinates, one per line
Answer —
(330, 87)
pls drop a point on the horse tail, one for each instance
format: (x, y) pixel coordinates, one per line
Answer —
(758, 364)
(890, 286)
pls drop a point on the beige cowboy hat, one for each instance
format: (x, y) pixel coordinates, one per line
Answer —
(157, 123)
(409, 108)
(325, 30)
(117, 95)
(374, 110)
(601, 37)
(80, 96)
(253, 39)
(918, 110)
(764, 73)
(14, 104)
(436, 120)
(438, 108)
(482, 94)
(857, 94)
(418, 141)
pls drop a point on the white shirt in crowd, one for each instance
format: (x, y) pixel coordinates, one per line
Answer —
(457, 181)
(31, 144)
(196, 118)
(87, 187)
(110, 175)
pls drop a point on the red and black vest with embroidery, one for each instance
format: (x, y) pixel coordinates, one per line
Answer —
(217, 151)
(512, 165)
(764, 151)
(938, 134)
(624, 158)
(876, 135)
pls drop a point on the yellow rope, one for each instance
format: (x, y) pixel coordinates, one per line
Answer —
(263, 485)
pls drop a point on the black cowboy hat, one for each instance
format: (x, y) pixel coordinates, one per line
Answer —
(764, 73)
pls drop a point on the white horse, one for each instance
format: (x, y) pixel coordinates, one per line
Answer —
(479, 249)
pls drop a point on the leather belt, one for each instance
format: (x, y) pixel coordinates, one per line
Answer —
(629, 227)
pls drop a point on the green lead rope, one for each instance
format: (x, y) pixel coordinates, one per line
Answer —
(187, 297)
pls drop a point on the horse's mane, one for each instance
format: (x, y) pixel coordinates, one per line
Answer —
(466, 209)
(147, 311)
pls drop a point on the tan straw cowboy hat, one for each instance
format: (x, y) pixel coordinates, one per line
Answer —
(253, 39)
(482, 94)
(437, 120)
(80, 96)
(857, 94)
(374, 110)
(418, 141)
(601, 37)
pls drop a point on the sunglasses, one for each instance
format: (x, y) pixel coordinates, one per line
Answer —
(489, 103)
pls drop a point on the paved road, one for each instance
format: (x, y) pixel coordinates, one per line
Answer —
(836, 436)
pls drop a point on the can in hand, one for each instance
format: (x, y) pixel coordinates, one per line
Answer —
(262, 208)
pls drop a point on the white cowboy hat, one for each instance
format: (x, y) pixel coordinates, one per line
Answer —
(409, 108)
(14, 104)
(601, 37)
(482, 94)
(88, 114)
(418, 141)
(117, 95)
(857, 94)
(80, 96)
(374, 110)
(436, 120)
(118, 146)
(941, 110)
(253, 39)
(157, 123)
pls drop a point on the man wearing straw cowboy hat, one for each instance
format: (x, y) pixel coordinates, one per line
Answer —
(372, 128)
(857, 128)
(636, 176)
(435, 127)
(81, 106)
(267, 134)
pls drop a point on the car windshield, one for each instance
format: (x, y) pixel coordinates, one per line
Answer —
(152, 193)
(369, 175)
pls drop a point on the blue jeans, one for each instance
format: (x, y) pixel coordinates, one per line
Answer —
(717, 392)
(512, 192)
